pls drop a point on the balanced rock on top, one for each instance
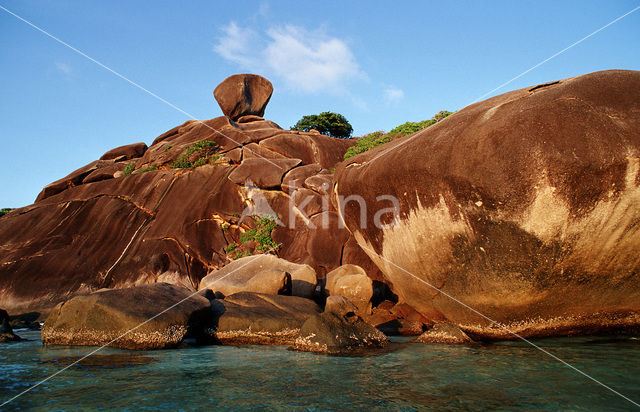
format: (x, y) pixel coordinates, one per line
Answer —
(243, 95)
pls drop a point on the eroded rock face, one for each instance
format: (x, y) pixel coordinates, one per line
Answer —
(524, 207)
(132, 318)
(243, 95)
(254, 318)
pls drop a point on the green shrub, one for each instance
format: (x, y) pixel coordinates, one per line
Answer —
(147, 169)
(129, 168)
(329, 123)
(368, 142)
(262, 234)
(241, 255)
(204, 149)
(4, 211)
(375, 139)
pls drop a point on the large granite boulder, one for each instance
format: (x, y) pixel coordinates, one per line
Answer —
(242, 95)
(6, 332)
(523, 207)
(262, 274)
(155, 316)
(352, 282)
(255, 318)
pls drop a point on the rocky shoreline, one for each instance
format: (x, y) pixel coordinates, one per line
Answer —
(523, 207)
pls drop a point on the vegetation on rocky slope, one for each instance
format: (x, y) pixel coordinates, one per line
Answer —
(375, 139)
(197, 154)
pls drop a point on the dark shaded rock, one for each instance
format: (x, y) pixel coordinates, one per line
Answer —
(264, 173)
(398, 319)
(253, 318)
(6, 332)
(243, 95)
(142, 317)
(29, 320)
(443, 333)
(130, 151)
(333, 333)
(523, 206)
(249, 118)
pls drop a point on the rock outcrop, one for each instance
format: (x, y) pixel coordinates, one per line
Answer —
(444, 333)
(262, 274)
(156, 316)
(243, 95)
(338, 330)
(254, 318)
(127, 152)
(524, 207)
(6, 332)
(173, 212)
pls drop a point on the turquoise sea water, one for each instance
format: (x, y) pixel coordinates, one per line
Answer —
(499, 376)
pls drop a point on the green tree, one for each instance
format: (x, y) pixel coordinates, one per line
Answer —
(4, 211)
(329, 123)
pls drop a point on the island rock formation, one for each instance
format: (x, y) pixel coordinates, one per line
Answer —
(517, 214)
(199, 197)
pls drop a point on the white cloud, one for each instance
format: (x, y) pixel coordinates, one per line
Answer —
(236, 44)
(63, 67)
(393, 94)
(308, 61)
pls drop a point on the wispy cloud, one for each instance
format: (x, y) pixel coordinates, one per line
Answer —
(63, 67)
(393, 94)
(307, 61)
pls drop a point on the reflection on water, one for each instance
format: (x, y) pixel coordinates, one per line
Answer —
(506, 375)
(114, 360)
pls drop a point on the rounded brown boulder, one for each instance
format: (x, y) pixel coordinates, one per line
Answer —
(155, 316)
(523, 207)
(243, 95)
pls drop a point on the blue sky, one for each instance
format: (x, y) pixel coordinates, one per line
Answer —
(378, 63)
